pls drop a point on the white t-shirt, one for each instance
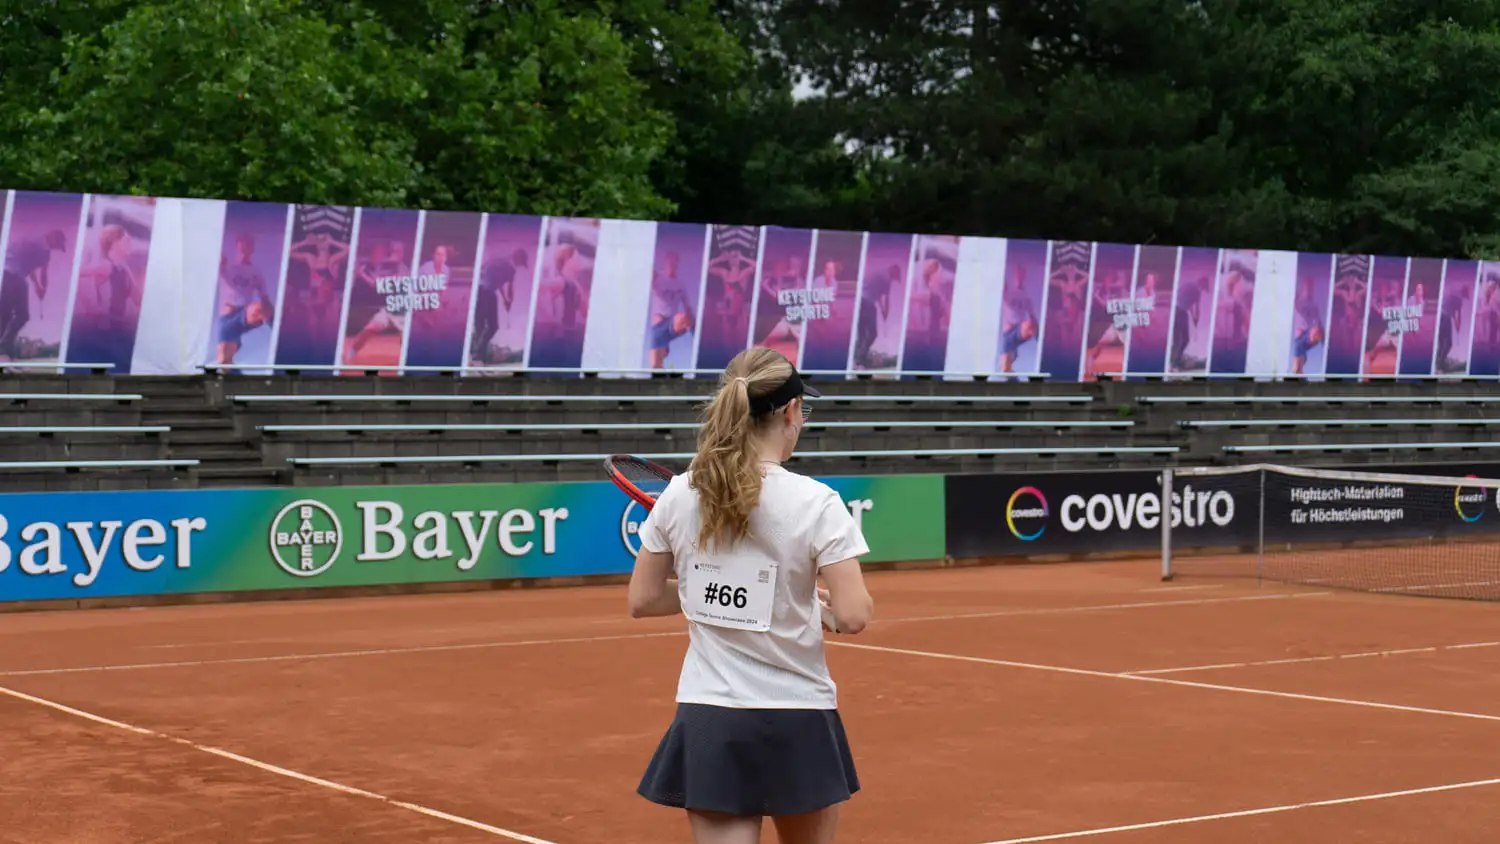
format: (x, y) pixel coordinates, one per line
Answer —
(800, 526)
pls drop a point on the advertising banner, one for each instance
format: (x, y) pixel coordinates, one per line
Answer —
(1313, 510)
(1077, 513)
(1070, 513)
(107, 544)
(254, 284)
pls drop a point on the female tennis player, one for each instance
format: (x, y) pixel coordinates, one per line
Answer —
(757, 731)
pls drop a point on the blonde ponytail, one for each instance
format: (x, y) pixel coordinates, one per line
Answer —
(726, 470)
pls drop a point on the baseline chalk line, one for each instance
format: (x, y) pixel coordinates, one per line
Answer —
(1245, 690)
(277, 769)
(1246, 813)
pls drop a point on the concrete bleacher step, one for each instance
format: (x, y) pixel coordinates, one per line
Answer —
(70, 449)
(242, 476)
(205, 434)
(170, 386)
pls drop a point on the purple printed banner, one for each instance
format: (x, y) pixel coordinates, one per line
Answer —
(38, 273)
(1386, 317)
(1192, 313)
(1484, 359)
(882, 297)
(376, 307)
(1067, 298)
(1233, 306)
(111, 280)
(827, 312)
(676, 285)
(561, 309)
(1109, 301)
(250, 260)
(1020, 306)
(442, 290)
(728, 285)
(255, 286)
(1418, 318)
(316, 267)
(784, 270)
(1148, 316)
(1346, 321)
(929, 307)
(501, 321)
(1308, 354)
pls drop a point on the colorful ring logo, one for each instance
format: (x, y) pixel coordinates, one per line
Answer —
(1010, 507)
(1458, 502)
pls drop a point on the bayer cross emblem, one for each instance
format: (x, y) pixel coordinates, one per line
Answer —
(305, 538)
(630, 525)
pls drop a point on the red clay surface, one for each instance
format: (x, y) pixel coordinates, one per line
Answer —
(534, 712)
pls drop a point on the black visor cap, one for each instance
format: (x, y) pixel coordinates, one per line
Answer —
(782, 395)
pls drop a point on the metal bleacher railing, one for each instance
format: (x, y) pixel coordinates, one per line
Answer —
(685, 426)
(487, 398)
(1333, 447)
(96, 464)
(53, 430)
(1445, 378)
(688, 455)
(647, 426)
(71, 397)
(56, 367)
(1373, 422)
(1331, 399)
(609, 371)
(83, 429)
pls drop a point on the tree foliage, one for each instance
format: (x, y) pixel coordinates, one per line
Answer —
(1370, 125)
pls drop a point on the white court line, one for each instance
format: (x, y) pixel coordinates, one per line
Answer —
(1328, 658)
(1134, 605)
(210, 644)
(473, 646)
(275, 769)
(1182, 588)
(1429, 587)
(90, 669)
(1244, 690)
(1246, 813)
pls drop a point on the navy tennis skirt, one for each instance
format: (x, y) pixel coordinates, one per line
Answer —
(751, 762)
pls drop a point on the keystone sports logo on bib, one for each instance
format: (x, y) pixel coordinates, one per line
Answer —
(1126, 511)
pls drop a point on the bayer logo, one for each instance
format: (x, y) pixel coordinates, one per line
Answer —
(630, 527)
(305, 538)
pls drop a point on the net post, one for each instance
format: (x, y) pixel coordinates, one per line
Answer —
(1260, 539)
(1166, 524)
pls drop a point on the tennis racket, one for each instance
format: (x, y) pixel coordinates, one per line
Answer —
(644, 480)
(638, 478)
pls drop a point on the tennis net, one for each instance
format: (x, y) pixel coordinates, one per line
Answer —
(1374, 532)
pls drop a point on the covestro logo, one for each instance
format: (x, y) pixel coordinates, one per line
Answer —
(1026, 513)
(1190, 508)
(1468, 501)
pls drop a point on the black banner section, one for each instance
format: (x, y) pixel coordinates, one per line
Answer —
(1040, 514)
(1318, 510)
(1072, 513)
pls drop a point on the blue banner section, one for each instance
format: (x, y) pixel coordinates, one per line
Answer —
(110, 544)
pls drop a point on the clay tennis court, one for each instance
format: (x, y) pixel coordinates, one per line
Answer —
(1037, 703)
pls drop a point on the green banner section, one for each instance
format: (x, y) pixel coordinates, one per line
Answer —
(100, 544)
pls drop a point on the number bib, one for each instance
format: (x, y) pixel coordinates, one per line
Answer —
(737, 596)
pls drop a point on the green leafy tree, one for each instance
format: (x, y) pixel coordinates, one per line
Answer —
(525, 109)
(1382, 118)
